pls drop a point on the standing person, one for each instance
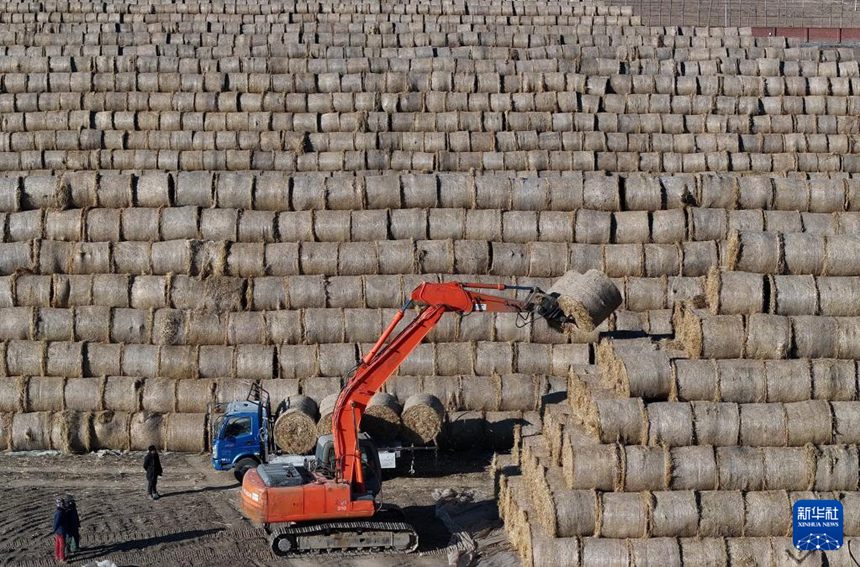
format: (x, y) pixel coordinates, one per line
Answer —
(152, 465)
(73, 530)
(60, 524)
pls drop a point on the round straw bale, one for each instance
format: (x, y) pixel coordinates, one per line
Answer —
(815, 337)
(177, 361)
(655, 551)
(146, 428)
(722, 336)
(45, 393)
(179, 223)
(172, 256)
(64, 359)
(694, 468)
(382, 417)
(597, 466)
(17, 256)
(804, 254)
(848, 337)
(644, 294)
(742, 381)
(809, 421)
(696, 379)
(588, 299)
(704, 551)
(54, 324)
(28, 290)
(13, 394)
(123, 393)
(763, 425)
(625, 260)
(674, 514)
(110, 431)
(194, 188)
(631, 227)
(740, 468)
(766, 514)
(296, 428)
(193, 396)
(732, 293)
(670, 424)
(186, 432)
(519, 392)
(546, 550)
(622, 420)
(131, 325)
(326, 408)
(640, 374)
(707, 223)
(646, 468)
(834, 379)
(598, 550)
(17, 323)
(31, 431)
(759, 252)
(70, 431)
(530, 358)
(359, 258)
(668, 227)
(624, 515)
(140, 360)
(721, 513)
(698, 257)
(159, 395)
(788, 380)
(563, 512)
(112, 290)
(789, 468)
(255, 362)
(841, 255)
(716, 423)
(838, 296)
(794, 295)
(140, 223)
(422, 418)
(835, 467)
(768, 336)
(25, 358)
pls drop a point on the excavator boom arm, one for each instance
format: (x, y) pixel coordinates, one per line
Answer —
(383, 360)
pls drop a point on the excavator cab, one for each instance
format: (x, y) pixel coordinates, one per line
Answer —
(370, 465)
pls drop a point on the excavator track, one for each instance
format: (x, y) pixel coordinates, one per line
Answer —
(384, 533)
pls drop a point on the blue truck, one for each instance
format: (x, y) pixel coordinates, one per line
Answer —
(241, 436)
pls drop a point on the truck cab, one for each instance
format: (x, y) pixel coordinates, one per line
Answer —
(239, 437)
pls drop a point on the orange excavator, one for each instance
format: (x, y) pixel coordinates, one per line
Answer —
(333, 505)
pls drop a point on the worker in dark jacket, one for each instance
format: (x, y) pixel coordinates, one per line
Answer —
(152, 465)
(73, 524)
(60, 526)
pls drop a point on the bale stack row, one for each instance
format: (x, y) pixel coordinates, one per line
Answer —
(566, 191)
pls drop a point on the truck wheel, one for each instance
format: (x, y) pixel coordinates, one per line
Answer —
(242, 466)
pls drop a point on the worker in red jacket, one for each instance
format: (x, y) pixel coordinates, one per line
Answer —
(61, 524)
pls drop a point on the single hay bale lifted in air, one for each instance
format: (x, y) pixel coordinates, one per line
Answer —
(587, 298)
(295, 429)
(422, 417)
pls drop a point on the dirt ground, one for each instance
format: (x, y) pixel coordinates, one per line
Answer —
(196, 522)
